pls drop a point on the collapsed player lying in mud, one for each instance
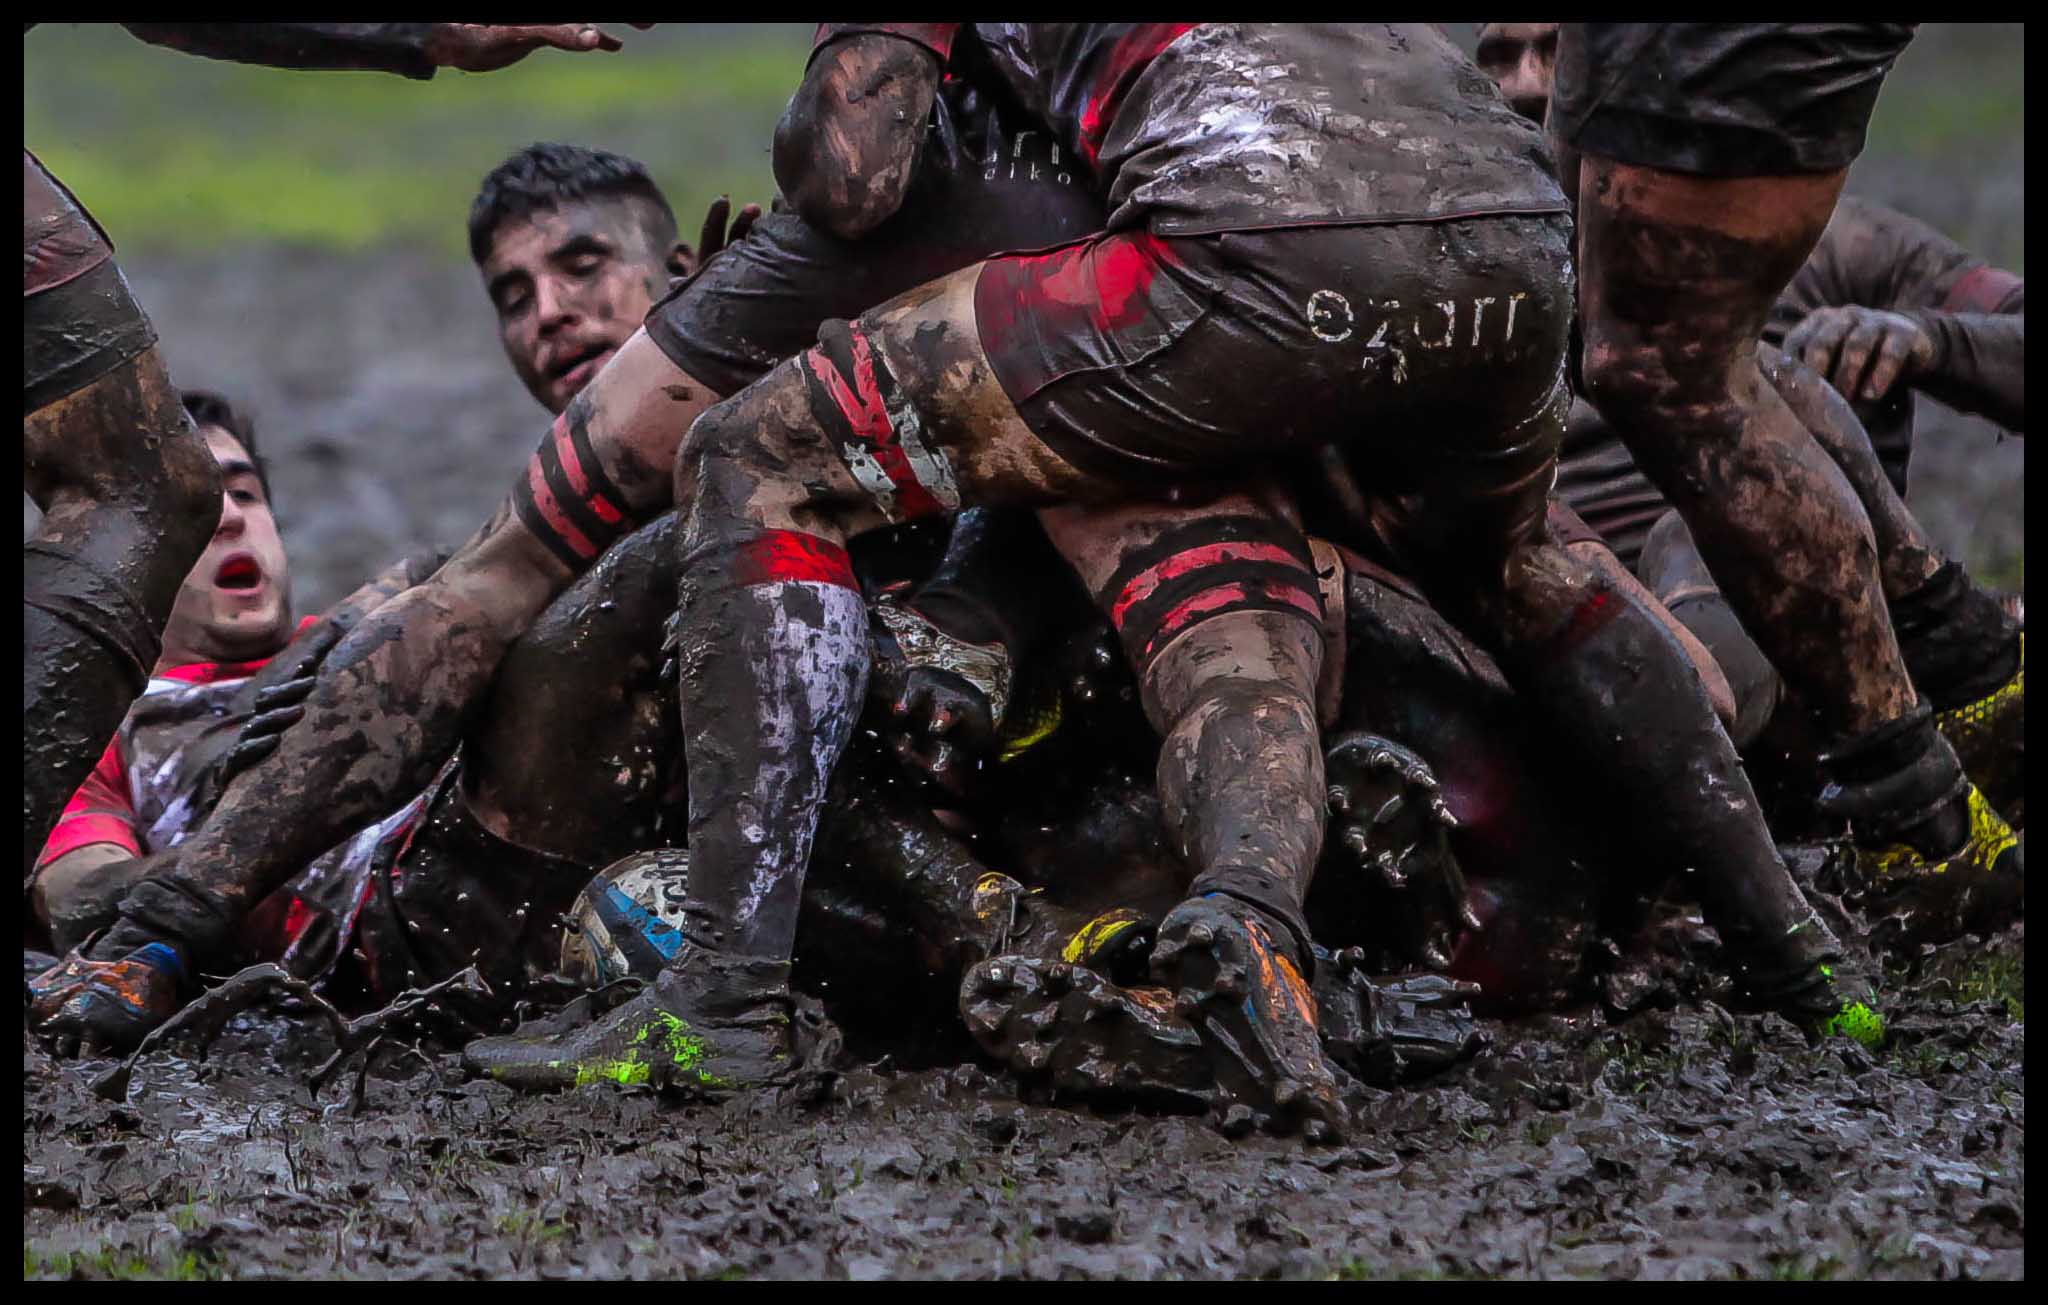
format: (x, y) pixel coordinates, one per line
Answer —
(572, 491)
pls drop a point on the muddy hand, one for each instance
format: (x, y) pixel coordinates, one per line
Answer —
(1393, 820)
(486, 47)
(104, 1005)
(715, 235)
(1862, 351)
(943, 727)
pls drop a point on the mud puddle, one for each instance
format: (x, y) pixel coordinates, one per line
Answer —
(1671, 1144)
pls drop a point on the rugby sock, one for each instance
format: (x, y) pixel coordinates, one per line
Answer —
(773, 635)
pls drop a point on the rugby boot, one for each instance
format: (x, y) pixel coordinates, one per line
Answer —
(1965, 649)
(1990, 739)
(1394, 1029)
(1236, 977)
(1914, 898)
(1802, 975)
(111, 1005)
(1933, 857)
(1023, 921)
(1391, 817)
(707, 1024)
(1066, 1024)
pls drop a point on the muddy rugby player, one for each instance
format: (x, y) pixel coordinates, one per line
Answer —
(1705, 161)
(578, 249)
(1883, 307)
(127, 490)
(914, 409)
(1249, 928)
(595, 242)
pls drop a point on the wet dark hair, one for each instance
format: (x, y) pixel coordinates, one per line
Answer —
(206, 408)
(545, 176)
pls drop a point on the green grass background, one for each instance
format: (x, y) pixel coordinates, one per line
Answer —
(176, 153)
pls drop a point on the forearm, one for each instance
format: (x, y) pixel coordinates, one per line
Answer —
(79, 893)
(381, 47)
(1980, 364)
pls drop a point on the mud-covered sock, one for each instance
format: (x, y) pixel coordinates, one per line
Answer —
(1958, 642)
(773, 649)
(1900, 783)
(1616, 687)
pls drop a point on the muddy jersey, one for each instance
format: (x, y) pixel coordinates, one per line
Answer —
(1196, 128)
(1873, 257)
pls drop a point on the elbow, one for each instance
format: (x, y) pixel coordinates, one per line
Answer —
(846, 194)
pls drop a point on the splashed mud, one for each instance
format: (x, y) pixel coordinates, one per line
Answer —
(1678, 1143)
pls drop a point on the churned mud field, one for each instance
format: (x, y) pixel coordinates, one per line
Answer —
(1674, 1143)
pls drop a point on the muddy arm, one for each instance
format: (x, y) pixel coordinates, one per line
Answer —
(382, 47)
(1980, 364)
(408, 49)
(848, 144)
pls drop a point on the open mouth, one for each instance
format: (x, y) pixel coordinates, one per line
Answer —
(240, 572)
(569, 365)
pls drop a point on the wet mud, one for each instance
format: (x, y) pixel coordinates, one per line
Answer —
(1672, 1143)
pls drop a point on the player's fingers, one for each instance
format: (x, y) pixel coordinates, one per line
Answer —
(1858, 348)
(711, 237)
(1894, 349)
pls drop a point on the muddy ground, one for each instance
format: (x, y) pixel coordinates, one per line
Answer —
(1680, 1143)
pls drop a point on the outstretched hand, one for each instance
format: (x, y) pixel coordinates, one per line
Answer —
(486, 47)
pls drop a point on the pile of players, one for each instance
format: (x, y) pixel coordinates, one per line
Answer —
(1161, 520)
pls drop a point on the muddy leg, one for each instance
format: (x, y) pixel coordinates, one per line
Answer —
(1775, 518)
(1624, 701)
(1958, 642)
(574, 742)
(130, 497)
(1220, 614)
(892, 417)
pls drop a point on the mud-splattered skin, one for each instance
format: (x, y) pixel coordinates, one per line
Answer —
(1772, 513)
(130, 497)
(571, 284)
(573, 746)
(848, 143)
(398, 693)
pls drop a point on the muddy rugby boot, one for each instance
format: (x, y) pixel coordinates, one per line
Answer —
(1393, 1029)
(1990, 739)
(1390, 815)
(1022, 921)
(1067, 1024)
(1965, 648)
(1233, 972)
(1915, 898)
(707, 1024)
(106, 1005)
(1802, 976)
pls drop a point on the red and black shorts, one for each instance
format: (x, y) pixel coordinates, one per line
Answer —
(982, 187)
(79, 321)
(1722, 99)
(1431, 353)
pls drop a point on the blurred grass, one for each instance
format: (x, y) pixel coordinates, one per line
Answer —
(175, 153)
(184, 154)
